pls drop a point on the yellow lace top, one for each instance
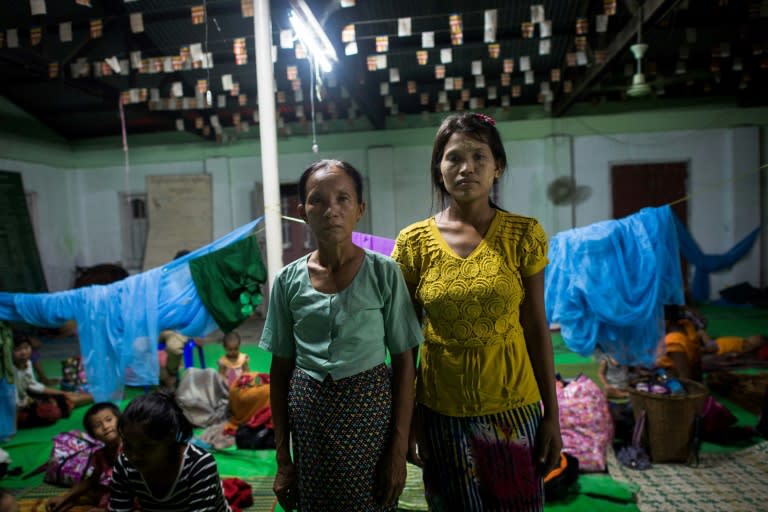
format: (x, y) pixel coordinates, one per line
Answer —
(474, 360)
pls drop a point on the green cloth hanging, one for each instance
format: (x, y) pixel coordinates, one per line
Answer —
(229, 281)
(6, 352)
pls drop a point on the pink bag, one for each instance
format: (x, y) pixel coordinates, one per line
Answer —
(585, 422)
(71, 458)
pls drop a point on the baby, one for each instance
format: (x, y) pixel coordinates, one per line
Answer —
(234, 363)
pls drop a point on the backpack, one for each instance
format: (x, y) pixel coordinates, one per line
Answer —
(71, 458)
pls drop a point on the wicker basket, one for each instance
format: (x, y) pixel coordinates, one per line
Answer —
(669, 420)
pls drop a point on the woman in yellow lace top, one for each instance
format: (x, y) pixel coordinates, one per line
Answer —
(476, 275)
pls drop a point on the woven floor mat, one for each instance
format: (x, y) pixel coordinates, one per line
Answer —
(33, 499)
(732, 482)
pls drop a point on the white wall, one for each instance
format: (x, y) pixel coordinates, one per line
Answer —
(723, 185)
(80, 212)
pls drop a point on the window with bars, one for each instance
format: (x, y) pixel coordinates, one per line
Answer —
(133, 218)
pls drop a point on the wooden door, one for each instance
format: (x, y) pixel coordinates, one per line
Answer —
(636, 186)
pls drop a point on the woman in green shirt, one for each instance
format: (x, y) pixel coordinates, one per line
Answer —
(332, 317)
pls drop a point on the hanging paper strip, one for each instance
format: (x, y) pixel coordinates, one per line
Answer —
(545, 46)
(202, 85)
(403, 27)
(554, 74)
(235, 90)
(242, 99)
(37, 7)
(446, 56)
(516, 91)
(490, 17)
(477, 67)
(246, 7)
(281, 97)
(291, 72)
(35, 34)
(296, 85)
(371, 61)
(570, 59)
(350, 48)
(609, 7)
(177, 63)
(567, 87)
(65, 31)
(145, 66)
(439, 72)
(421, 57)
(494, 50)
(509, 65)
(53, 69)
(581, 43)
(582, 26)
(286, 39)
(106, 69)
(465, 95)
(347, 3)
(457, 31)
(348, 33)
(505, 79)
(458, 82)
(198, 14)
(96, 29)
(601, 23)
(86, 3)
(381, 62)
(427, 39)
(537, 13)
(545, 28)
(137, 22)
(526, 28)
(12, 36)
(411, 87)
(424, 98)
(299, 50)
(241, 54)
(394, 75)
(382, 44)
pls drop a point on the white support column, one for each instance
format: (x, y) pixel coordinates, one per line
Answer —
(262, 31)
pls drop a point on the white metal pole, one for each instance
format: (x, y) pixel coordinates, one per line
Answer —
(262, 40)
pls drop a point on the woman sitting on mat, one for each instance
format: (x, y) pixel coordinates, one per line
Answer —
(332, 316)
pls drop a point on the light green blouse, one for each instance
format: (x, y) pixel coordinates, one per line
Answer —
(345, 333)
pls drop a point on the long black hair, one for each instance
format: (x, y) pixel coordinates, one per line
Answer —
(159, 415)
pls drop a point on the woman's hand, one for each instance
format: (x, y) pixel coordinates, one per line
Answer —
(285, 487)
(548, 445)
(391, 477)
(416, 452)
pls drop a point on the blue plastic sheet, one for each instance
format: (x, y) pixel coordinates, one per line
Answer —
(119, 323)
(705, 264)
(607, 283)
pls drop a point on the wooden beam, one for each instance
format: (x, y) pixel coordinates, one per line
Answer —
(651, 10)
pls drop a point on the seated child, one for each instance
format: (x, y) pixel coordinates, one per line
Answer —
(681, 352)
(234, 363)
(159, 468)
(170, 358)
(100, 422)
(30, 393)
